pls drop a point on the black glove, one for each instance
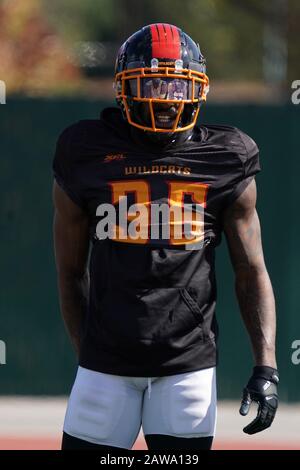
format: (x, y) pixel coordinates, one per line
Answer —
(262, 388)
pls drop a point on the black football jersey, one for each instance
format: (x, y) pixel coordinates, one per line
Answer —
(152, 300)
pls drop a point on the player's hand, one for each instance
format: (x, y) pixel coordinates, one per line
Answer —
(261, 388)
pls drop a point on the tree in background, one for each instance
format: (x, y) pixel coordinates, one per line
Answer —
(55, 44)
(222, 30)
(33, 58)
(239, 38)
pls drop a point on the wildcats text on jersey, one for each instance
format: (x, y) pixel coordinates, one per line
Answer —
(157, 169)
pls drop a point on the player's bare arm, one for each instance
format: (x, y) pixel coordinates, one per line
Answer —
(253, 287)
(256, 300)
(71, 252)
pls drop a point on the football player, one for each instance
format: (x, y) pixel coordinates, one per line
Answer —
(138, 291)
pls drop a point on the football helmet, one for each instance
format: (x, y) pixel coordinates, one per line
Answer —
(160, 79)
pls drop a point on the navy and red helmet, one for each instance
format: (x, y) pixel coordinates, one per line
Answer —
(160, 66)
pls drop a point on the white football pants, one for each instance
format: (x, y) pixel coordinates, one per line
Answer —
(110, 409)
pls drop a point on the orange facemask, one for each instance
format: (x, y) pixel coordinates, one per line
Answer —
(173, 86)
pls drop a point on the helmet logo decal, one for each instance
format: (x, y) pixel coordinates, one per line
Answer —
(165, 41)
